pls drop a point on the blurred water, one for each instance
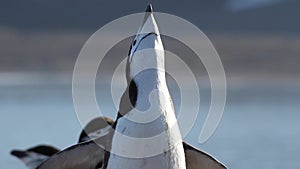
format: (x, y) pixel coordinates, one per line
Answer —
(236, 5)
(260, 127)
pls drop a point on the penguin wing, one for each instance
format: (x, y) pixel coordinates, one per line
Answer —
(86, 155)
(196, 159)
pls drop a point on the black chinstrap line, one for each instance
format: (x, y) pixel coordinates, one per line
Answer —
(134, 42)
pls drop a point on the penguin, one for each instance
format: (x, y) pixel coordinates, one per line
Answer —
(146, 109)
(34, 156)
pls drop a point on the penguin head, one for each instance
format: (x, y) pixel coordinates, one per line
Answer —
(96, 128)
(34, 156)
(146, 50)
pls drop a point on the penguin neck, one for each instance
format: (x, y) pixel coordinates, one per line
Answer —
(147, 71)
(151, 87)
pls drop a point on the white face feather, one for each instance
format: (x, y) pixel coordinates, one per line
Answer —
(98, 133)
(147, 50)
(32, 160)
(148, 27)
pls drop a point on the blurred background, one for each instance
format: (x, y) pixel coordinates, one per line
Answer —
(258, 42)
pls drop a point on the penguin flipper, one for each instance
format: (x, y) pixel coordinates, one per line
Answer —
(86, 155)
(196, 159)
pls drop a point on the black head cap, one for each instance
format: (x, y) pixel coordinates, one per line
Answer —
(149, 8)
(44, 149)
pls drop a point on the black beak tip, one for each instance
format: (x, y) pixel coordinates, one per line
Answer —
(149, 8)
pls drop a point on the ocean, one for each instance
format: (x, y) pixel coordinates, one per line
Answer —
(260, 127)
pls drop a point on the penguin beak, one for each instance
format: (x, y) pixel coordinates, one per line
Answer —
(149, 24)
(148, 35)
(19, 154)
